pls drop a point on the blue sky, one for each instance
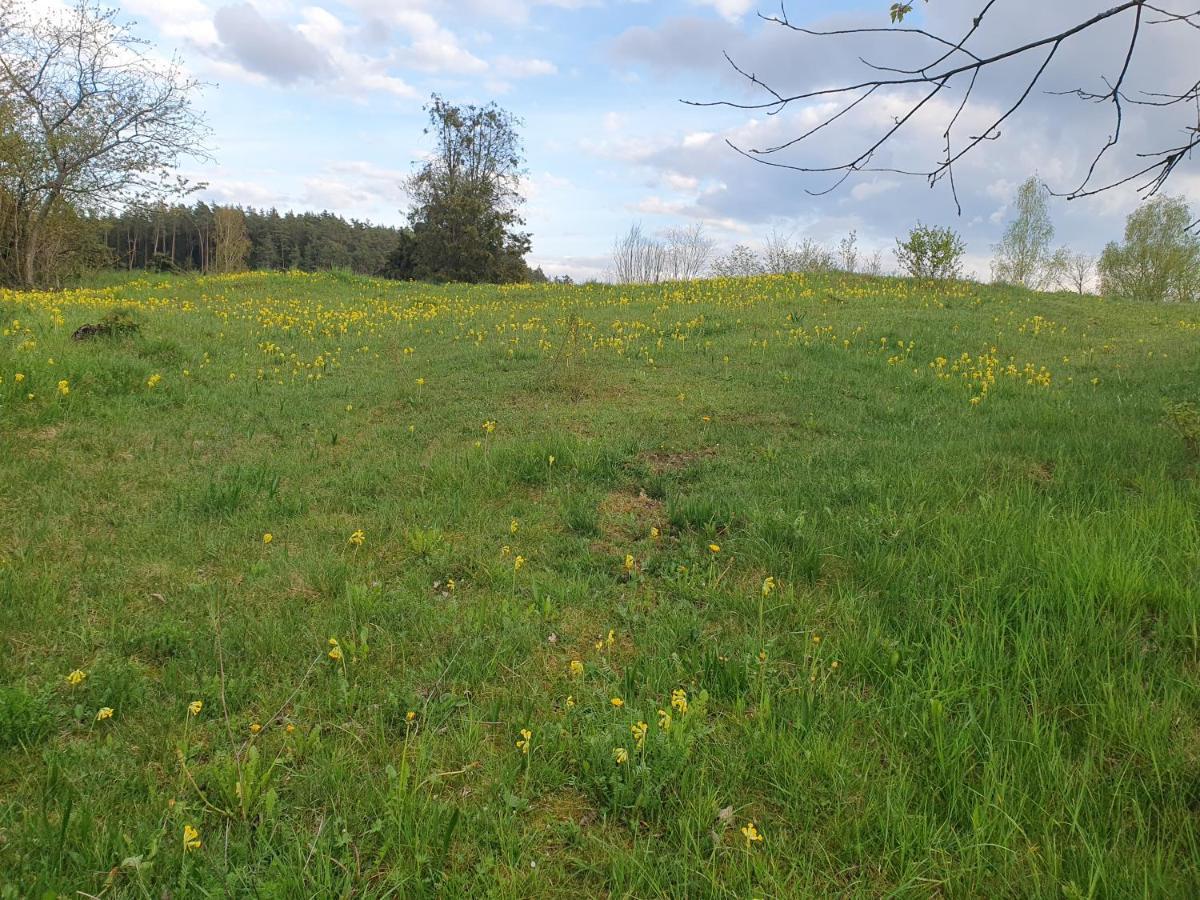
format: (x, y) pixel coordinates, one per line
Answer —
(317, 105)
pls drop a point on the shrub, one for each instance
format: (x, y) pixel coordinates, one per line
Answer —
(931, 252)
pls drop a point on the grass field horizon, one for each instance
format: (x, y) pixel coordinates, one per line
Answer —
(320, 585)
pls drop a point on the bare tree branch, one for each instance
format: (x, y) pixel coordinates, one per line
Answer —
(956, 65)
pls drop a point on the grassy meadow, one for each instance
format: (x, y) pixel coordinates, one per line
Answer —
(317, 586)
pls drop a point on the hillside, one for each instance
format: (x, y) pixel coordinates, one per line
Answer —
(543, 591)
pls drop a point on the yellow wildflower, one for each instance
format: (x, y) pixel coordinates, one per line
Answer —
(268, 537)
(621, 755)
(514, 526)
(768, 586)
(77, 678)
(617, 702)
(576, 668)
(664, 720)
(679, 701)
(751, 834)
(639, 733)
(153, 380)
(195, 706)
(570, 701)
(410, 716)
(64, 387)
(523, 743)
(19, 377)
(191, 839)
(105, 712)
(255, 728)
(714, 548)
(518, 563)
(629, 562)
(358, 537)
(654, 533)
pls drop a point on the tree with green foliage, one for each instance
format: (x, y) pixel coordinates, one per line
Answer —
(465, 219)
(1160, 259)
(90, 120)
(1023, 255)
(231, 241)
(931, 252)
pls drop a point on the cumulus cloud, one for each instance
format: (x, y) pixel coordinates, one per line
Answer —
(270, 48)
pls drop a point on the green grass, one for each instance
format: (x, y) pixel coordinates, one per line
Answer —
(978, 675)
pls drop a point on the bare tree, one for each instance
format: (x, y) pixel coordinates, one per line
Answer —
(1072, 271)
(88, 119)
(688, 250)
(638, 258)
(955, 63)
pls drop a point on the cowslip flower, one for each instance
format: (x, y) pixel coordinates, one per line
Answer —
(768, 586)
(514, 526)
(654, 533)
(268, 537)
(77, 678)
(751, 834)
(191, 839)
(335, 650)
(629, 562)
(64, 387)
(153, 380)
(518, 563)
(679, 701)
(105, 712)
(195, 706)
(358, 537)
(621, 755)
(255, 728)
(523, 743)
(639, 733)
(576, 668)
(617, 702)
(410, 716)
(489, 426)
(664, 720)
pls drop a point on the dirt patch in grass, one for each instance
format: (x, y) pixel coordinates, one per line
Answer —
(625, 517)
(660, 462)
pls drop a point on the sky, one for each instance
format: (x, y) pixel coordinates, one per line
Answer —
(317, 105)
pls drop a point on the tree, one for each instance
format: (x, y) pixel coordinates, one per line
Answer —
(89, 120)
(231, 241)
(466, 200)
(931, 252)
(688, 250)
(905, 85)
(739, 262)
(1160, 259)
(1023, 254)
(1071, 270)
(637, 258)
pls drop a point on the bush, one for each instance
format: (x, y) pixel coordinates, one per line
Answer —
(931, 252)
(1160, 259)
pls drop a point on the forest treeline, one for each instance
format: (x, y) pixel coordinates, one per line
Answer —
(207, 238)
